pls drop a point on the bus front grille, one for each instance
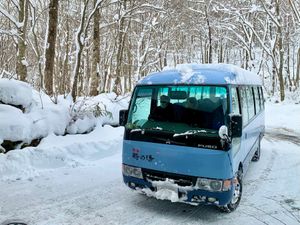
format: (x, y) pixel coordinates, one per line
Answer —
(181, 180)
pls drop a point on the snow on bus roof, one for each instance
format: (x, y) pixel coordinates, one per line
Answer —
(202, 74)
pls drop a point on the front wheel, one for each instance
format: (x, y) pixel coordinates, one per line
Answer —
(237, 195)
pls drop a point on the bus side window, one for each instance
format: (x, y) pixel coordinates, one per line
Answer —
(235, 101)
(244, 105)
(257, 100)
(261, 95)
(253, 95)
(250, 100)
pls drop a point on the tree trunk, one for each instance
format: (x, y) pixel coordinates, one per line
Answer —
(37, 48)
(81, 36)
(21, 67)
(220, 57)
(76, 70)
(290, 85)
(96, 55)
(281, 54)
(79, 49)
(121, 41)
(209, 37)
(298, 70)
(87, 73)
(129, 70)
(66, 66)
(50, 48)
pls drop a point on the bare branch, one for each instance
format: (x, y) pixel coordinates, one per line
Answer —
(11, 18)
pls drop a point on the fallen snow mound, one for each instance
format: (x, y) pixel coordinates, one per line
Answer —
(61, 151)
(40, 118)
(14, 125)
(15, 92)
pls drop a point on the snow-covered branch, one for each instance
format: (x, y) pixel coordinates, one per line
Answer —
(11, 18)
(270, 15)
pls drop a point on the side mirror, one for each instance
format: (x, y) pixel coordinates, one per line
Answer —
(223, 132)
(236, 126)
(123, 115)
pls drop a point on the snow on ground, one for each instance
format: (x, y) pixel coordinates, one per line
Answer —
(28, 114)
(60, 151)
(15, 92)
(37, 117)
(285, 116)
(76, 179)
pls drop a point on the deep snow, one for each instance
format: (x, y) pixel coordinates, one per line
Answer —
(78, 181)
(38, 116)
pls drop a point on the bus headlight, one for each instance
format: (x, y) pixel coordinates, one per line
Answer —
(209, 184)
(215, 185)
(132, 171)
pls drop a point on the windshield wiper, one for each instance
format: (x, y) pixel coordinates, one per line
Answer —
(136, 130)
(193, 132)
(142, 131)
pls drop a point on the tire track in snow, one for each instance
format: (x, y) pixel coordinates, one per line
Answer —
(267, 162)
(113, 203)
(283, 134)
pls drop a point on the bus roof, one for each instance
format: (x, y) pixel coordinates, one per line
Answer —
(202, 74)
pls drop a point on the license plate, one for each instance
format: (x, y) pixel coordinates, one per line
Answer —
(168, 188)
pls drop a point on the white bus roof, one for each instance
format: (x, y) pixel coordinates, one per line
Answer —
(202, 74)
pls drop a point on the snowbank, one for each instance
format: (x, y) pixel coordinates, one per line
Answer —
(284, 116)
(61, 151)
(14, 125)
(15, 92)
(40, 118)
(106, 106)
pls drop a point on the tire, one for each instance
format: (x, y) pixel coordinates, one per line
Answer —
(237, 195)
(256, 155)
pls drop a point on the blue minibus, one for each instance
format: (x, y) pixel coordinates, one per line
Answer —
(191, 132)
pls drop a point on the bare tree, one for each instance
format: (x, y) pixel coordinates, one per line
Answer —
(21, 25)
(50, 46)
(21, 68)
(96, 54)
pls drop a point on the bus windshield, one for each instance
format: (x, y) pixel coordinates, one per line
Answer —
(180, 112)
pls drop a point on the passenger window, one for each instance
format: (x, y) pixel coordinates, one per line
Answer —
(182, 94)
(162, 91)
(243, 98)
(257, 100)
(221, 92)
(235, 101)
(141, 109)
(250, 100)
(206, 92)
(261, 95)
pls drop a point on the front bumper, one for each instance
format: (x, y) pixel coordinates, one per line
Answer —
(186, 195)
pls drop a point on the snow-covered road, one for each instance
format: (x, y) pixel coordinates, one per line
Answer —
(95, 194)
